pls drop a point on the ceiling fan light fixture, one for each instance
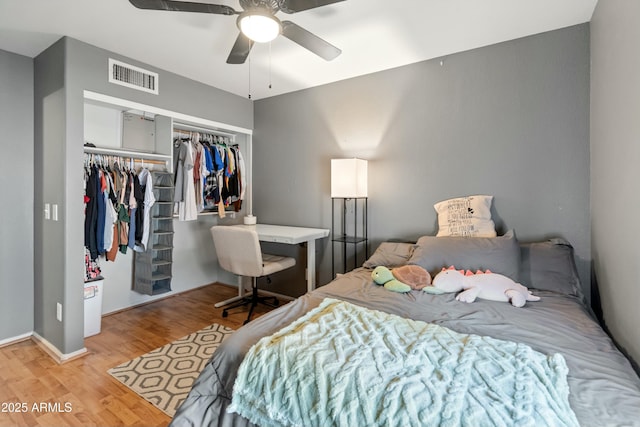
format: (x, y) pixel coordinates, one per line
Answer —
(259, 26)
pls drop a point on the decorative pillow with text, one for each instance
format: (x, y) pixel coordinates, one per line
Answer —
(465, 216)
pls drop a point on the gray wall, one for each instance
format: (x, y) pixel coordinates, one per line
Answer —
(615, 148)
(62, 72)
(511, 120)
(16, 167)
(49, 244)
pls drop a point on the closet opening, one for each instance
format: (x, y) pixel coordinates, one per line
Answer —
(135, 154)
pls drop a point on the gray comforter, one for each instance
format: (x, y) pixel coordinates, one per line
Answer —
(604, 389)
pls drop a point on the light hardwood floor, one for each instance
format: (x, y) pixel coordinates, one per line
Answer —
(81, 392)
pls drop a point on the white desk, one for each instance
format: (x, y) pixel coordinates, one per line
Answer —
(292, 236)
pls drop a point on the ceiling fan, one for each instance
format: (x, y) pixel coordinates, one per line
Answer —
(257, 23)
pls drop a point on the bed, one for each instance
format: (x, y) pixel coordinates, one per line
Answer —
(600, 385)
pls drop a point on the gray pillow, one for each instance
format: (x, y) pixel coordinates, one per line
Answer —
(499, 254)
(390, 254)
(550, 266)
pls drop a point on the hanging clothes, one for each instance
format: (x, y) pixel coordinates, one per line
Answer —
(123, 228)
(136, 211)
(146, 183)
(101, 210)
(91, 212)
(217, 170)
(186, 199)
(122, 235)
(111, 217)
(133, 207)
(243, 178)
(118, 205)
(239, 176)
(179, 155)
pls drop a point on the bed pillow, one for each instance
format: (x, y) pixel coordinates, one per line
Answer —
(390, 254)
(499, 254)
(550, 266)
(465, 216)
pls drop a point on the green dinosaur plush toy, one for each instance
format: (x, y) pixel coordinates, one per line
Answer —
(383, 276)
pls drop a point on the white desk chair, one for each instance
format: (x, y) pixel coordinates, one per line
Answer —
(239, 252)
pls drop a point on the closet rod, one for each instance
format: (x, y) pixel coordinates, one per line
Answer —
(190, 128)
(126, 153)
(153, 162)
(126, 159)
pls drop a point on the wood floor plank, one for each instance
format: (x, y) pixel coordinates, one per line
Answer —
(28, 375)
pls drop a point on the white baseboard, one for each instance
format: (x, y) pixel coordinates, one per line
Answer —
(13, 340)
(55, 354)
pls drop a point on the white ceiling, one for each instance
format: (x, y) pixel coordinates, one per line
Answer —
(374, 35)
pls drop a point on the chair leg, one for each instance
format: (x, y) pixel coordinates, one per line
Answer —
(241, 303)
(254, 299)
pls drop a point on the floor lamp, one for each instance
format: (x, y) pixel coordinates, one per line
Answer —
(349, 229)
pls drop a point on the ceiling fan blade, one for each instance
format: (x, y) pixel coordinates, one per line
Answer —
(240, 50)
(183, 6)
(309, 41)
(292, 6)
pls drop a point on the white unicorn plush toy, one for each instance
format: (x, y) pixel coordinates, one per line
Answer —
(481, 284)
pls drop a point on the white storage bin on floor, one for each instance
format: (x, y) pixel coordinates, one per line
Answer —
(92, 307)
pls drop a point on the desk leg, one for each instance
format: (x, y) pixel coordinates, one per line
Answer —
(311, 265)
(234, 299)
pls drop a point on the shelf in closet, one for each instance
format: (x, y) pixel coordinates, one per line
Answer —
(126, 153)
(154, 288)
(156, 276)
(159, 247)
(153, 267)
(162, 287)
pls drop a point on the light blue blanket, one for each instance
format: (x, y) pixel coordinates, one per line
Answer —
(345, 365)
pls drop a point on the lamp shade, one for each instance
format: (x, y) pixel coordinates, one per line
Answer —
(348, 178)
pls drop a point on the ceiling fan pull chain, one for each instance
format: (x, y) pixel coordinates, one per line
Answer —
(249, 78)
(269, 65)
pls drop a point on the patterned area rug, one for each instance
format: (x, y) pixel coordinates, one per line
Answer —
(165, 375)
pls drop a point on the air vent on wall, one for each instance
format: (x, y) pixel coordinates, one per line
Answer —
(132, 77)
